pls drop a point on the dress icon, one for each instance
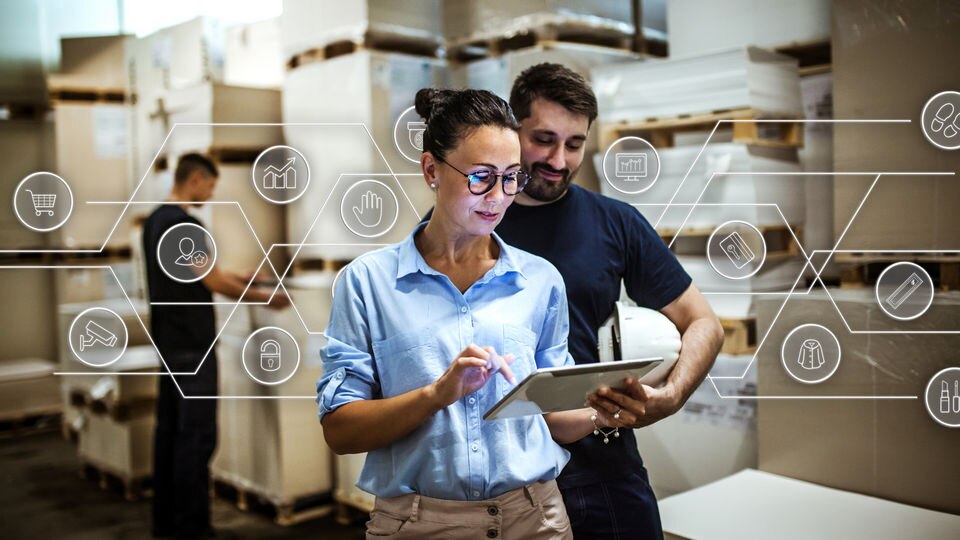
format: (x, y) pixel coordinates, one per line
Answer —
(811, 354)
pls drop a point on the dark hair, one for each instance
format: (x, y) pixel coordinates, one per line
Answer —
(452, 114)
(193, 162)
(556, 83)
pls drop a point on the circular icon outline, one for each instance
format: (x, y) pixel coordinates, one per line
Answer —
(923, 125)
(243, 359)
(213, 260)
(603, 164)
(336, 278)
(387, 229)
(396, 142)
(126, 337)
(763, 257)
(16, 210)
(256, 185)
(926, 394)
(783, 352)
(915, 266)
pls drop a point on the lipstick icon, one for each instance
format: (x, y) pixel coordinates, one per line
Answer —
(944, 397)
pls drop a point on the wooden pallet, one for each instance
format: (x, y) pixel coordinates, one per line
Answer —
(739, 336)
(24, 111)
(87, 95)
(779, 239)
(133, 488)
(121, 411)
(32, 421)
(863, 269)
(570, 31)
(283, 513)
(746, 125)
(330, 265)
(812, 56)
(108, 253)
(371, 40)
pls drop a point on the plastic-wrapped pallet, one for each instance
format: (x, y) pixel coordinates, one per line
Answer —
(308, 24)
(722, 196)
(694, 29)
(252, 55)
(487, 18)
(370, 90)
(754, 78)
(28, 388)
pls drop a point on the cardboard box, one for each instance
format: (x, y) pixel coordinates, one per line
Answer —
(308, 24)
(887, 448)
(902, 212)
(253, 56)
(121, 448)
(32, 290)
(92, 142)
(693, 27)
(271, 447)
(372, 88)
(486, 18)
(757, 505)
(239, 246)
(92, 62)
(214, 103)
(26, 147)
(28, 388)
(817, 155)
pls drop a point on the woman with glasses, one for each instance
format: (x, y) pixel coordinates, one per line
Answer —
(428, 334)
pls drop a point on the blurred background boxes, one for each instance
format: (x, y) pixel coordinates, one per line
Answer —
(27, 389)
(253, 55)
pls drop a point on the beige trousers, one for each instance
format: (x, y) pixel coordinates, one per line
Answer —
(535, 511)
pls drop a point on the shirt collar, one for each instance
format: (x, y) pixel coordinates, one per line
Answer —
(411, 261)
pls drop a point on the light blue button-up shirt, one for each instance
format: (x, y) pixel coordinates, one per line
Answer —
(397, 325)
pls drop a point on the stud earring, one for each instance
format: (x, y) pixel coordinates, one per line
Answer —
(433, 185)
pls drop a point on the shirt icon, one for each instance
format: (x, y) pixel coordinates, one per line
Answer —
(811, 354)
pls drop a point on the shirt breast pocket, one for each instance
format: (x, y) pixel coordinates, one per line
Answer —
(407, 361)
(522, 344)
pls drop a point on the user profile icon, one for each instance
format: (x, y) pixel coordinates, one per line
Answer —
(186, 252)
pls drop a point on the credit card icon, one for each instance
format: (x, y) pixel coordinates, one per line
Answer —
(737, 250)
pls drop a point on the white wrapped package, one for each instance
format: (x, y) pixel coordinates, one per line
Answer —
(634, 332)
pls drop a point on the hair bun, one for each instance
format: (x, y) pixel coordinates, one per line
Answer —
(428, 99)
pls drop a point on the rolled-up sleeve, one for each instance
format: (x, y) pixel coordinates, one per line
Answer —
(552, 350)
(349, 373)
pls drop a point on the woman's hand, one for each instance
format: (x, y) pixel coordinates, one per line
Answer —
(469, 372)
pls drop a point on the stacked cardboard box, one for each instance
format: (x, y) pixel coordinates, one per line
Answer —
(486, 18)
(26, 146)
(372, 89)
(252, 55)
(26, 323)
(884, 448)
(28, 388)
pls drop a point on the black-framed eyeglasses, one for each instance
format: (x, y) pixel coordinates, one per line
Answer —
(481, 182)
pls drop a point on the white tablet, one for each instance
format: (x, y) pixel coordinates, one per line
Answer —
(566, 388)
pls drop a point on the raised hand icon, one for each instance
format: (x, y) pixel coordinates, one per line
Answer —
(370, 211)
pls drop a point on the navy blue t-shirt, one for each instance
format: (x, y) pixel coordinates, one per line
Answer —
(595, 241)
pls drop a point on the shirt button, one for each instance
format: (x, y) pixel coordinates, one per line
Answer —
(475, 447)
(476, 493)
(463, 309)
(340, 375)
(472, 400)
(491, 533)
(492, 510)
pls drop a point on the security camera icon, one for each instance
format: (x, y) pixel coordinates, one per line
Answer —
(94, 333)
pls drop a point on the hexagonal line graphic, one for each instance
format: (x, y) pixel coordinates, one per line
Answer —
(791, 120)
(323, 206)
(133, 308)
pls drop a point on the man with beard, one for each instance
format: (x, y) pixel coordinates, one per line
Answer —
(596, 242)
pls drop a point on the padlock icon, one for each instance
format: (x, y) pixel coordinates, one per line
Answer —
(270, 355)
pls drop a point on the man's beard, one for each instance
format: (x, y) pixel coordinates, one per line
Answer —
(545, 191)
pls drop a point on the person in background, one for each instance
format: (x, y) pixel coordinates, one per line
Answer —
(186, 429)
(596, 243)
(427, 334)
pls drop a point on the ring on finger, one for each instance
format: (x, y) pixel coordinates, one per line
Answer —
(616, 415)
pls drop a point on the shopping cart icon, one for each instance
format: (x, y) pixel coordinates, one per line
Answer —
(43, 203)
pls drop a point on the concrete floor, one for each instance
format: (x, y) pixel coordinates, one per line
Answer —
(43, 496)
